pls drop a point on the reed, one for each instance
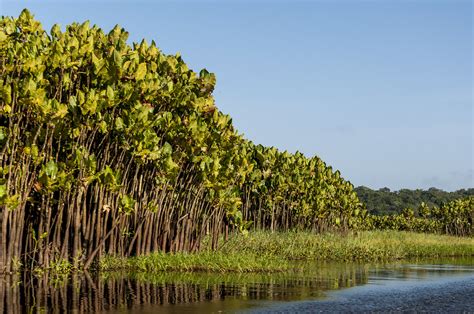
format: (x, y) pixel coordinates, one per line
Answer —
(263, 251)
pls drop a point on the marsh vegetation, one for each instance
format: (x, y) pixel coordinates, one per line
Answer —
(115, 156)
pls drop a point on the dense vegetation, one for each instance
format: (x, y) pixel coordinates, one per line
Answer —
(119, 150)
(274, 252)
(107, 148)
(383, 201)
(455, 217)
(431, 210)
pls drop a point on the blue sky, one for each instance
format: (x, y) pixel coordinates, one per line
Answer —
(382, 90)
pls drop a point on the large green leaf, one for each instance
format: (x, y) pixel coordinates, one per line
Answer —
(141, 71)
(51, 169)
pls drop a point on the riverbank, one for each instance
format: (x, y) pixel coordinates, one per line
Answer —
(262, 251)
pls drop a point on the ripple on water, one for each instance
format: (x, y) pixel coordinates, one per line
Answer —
(315, 284)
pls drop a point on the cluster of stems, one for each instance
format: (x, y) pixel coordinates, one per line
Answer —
(111, 148)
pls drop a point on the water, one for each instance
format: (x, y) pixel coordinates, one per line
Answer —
(313, 287)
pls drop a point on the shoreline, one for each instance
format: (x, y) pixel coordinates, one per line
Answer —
(265, 252)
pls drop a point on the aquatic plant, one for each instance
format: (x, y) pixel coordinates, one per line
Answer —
(118, 149)
(455, 218)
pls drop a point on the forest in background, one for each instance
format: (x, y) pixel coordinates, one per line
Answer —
(384, 202)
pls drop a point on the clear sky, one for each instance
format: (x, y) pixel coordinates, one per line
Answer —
(382, 90)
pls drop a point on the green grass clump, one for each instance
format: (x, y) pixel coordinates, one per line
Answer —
(363, 246)
(206, 261)
(263, 251)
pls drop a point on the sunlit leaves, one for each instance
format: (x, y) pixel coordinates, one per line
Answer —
(52, 178)
(3, 36)
(110, 178)
(9, 201)
(127, 203)
(3, 192)
(455, 217)
(110, 93)
(6, 95)
(141, 72)
(50, 169)
(109, 115)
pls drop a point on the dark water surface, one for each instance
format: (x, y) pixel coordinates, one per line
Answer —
(431, 285)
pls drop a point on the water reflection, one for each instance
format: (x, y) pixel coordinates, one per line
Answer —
(421, 270)
(181, 292)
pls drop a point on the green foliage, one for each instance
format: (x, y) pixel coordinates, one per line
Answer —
(127, 204)
(120, 149)
(455, 218)
(215, 262)
(3, 193)
(111, 148)
(384, 201)
(363, 246)
(262, 251)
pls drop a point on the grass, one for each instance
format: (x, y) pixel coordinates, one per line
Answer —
(261, 251)
(363, 246)
(206, 261)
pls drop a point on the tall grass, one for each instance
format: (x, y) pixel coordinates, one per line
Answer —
(218, 262)
(263, 251)
(361, 246)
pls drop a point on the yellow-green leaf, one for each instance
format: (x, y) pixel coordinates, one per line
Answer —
(141, 71)
(61, 111)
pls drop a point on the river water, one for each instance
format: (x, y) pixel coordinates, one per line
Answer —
(430, 285)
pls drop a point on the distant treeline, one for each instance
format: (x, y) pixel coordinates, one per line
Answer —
(383, 201)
